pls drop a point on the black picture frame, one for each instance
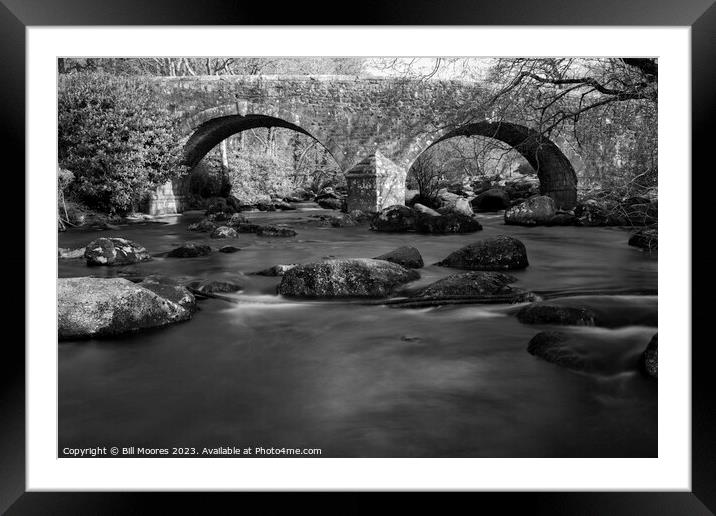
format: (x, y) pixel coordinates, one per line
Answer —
(700, 15)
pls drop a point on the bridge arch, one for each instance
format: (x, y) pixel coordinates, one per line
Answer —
(555, 172)
(211, 132)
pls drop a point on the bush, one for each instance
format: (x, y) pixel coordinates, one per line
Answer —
(115, 139)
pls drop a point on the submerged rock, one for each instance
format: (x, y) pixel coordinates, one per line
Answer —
(396, 218)
(229, 249)
(535, 211)
(224, 232)
(276, 270)
(492, 254)
(554, 347)
(275, 231)
(190, 250)
(406, 256)
(477, 284)
(97, 307)
(213, 286)
(358, 277)
(650, 357)
(447, 223)
(246, 227)
(545, 313)
(115, 251)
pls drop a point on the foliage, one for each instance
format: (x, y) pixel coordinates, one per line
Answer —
(116, 142)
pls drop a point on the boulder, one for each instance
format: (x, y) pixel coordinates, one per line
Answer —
(68, 254)
(204, 226)
(115, 251)
(236, 219)
(343, 220)
(546, 313)
(190, 250)
(396, 218)
(646, 239)
(359, 277)
(494, 199)
(554, 347)
(98, 307)
(477, 284)
(228, 249)
(421, 208)
(213, 286)
(330, 203)
(535, 211)
(224, 232)
(459, 205)
(650, 357)
(275, 231)
(492, 254)
(276, 270)
(406, 256)
(448, 223)
(171, 290)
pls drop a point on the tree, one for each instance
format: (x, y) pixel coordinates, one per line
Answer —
(115, 141)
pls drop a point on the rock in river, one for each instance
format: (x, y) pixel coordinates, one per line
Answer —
(96, 307)
(275, 231)
(276, 270)
(213, 286)
(358, 277)
(546, 313)
(115, 251)
(492, 254)
(477, 284)
(535, 211)
(396, 218)
(171, 290)
(448, 223)
(554, 347)
(406, 256)
(224, 232)
(190, 250)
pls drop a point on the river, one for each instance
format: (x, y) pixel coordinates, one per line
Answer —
(365, 381)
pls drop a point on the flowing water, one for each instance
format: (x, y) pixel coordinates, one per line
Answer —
(362, 380)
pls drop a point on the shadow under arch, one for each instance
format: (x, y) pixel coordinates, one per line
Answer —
(210, 133)
(555, 172)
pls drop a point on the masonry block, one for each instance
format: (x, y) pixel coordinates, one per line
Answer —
(375, 183)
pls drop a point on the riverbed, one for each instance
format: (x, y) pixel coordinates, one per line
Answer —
(359, 380)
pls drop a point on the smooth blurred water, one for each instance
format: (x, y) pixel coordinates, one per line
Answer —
(367, 381)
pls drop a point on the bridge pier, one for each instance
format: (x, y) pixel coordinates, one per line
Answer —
(375, 183)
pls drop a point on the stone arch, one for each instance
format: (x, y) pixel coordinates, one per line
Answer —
(211, 132)
(556, 174)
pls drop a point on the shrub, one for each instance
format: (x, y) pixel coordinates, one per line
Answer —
(115, 139)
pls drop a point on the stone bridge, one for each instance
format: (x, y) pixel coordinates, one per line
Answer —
(375, 128)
